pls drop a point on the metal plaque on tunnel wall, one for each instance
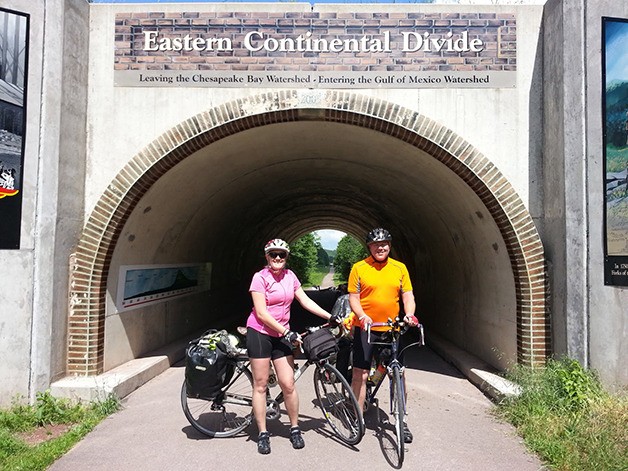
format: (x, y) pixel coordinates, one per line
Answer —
(13, 74)
(392, 49)
(615, 125)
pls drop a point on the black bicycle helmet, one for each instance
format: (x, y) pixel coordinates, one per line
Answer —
(378, 235)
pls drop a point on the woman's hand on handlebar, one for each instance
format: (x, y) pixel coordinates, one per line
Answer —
(293, 338)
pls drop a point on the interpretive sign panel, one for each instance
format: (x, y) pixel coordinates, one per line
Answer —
(615, 123)
(315, 50)
(143, 285)
(13, 74)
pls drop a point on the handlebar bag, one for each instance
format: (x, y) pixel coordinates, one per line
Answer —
(319, 345)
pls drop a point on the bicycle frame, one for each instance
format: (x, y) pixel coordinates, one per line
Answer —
(397, 328)
(244, 363)
(278, 399)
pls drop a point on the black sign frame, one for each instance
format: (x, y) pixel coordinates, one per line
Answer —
(13, 125)
(615, 179)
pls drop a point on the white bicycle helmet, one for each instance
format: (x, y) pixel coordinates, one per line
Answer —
(276, 244)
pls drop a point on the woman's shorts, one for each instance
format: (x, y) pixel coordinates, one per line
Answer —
(259, 345)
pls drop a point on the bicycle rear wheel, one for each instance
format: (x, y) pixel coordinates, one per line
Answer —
(338, 403)
(397, 409)
(226, 415)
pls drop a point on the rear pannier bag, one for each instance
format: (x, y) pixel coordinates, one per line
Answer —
(319, 345)
(207, 365)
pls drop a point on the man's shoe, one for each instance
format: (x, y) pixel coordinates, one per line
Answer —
(296, 439)
(407, 434)
(263, 443)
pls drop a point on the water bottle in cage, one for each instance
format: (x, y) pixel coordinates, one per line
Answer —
(376, 374)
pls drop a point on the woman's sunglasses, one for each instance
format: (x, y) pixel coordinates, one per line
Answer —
(281, 255)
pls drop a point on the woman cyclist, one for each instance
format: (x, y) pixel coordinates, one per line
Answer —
(269, 337)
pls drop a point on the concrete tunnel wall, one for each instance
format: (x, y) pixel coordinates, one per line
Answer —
(214, 188)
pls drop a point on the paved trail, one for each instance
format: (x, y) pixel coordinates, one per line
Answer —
(328, 280)
(451, 420)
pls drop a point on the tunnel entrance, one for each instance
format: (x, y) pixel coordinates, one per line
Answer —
(218, 185)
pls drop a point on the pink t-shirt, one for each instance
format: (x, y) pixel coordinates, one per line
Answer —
(279, 292)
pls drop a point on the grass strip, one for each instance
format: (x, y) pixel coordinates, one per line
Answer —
(567, 418)
(17, 455)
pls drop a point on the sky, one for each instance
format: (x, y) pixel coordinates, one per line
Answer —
(267, 1)
(330, 238)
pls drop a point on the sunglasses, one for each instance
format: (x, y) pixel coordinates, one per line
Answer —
(281, 255)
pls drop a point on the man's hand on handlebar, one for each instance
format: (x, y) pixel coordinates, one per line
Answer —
(411, 320)
(365, 321)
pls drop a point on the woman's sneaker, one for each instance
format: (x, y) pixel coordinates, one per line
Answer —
(296, 439)
(263, 443)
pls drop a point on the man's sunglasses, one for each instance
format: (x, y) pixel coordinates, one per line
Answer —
(281, 255)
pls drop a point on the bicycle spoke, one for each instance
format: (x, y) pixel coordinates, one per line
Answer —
(338, 404)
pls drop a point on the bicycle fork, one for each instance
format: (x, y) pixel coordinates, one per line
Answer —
(402, 389)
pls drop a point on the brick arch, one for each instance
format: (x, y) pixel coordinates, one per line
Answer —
(90, 263)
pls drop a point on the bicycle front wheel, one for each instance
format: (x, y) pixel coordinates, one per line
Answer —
(338, 403)
(397, 408)
(226, 415)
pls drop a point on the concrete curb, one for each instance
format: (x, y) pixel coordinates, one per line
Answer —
(124, 379)
(480, 373)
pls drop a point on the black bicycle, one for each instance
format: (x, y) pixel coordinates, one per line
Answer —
(395, 371)
(231, 410)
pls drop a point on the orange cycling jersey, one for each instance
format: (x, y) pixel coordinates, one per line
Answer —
(379, 286)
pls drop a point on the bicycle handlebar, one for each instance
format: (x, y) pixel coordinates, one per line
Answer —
(397, 324)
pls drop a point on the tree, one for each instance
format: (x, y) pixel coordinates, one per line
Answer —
(323, 257)
(304, 256)
(348, 252)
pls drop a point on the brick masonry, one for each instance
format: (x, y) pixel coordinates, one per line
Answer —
(498, 31)
(90, 263)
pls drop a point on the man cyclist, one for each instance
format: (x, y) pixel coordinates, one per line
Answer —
(375, 286)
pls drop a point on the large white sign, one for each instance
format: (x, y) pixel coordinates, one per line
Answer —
(279, 49)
